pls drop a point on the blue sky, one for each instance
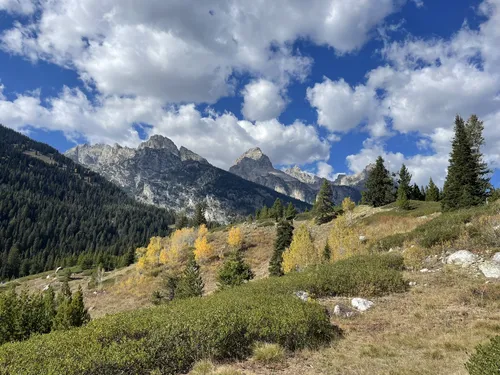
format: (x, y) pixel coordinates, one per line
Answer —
(328, 86)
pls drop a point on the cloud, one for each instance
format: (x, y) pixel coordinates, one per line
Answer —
(325, 170)
(341, 107)
(23, 7)
(221, 138)
(262, 100)
(422, 86)
(420, 166)
(186, 51)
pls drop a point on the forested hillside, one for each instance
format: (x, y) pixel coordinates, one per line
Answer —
(54, 212)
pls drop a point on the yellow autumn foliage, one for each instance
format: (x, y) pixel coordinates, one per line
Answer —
(343, 239)
(348, 207)
(301, 252)
(235, 238)
(202, 249)
(202, 230)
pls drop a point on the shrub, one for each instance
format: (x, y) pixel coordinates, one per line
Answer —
(234, 271)
(225, 325)
(268, 353)
(486, 359)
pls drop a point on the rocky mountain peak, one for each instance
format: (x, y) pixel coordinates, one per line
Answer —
(301, 175)
(187, 154)
(255, 155)
(159, 142)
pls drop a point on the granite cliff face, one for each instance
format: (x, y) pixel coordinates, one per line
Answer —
(255, 166)
(159, 173)
(357, 180)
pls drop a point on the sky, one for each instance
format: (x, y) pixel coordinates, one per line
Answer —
(324, 84)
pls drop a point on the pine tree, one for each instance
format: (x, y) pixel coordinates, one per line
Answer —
(324, 207)
(277, 210)
(78, 314)
(199, 215)
(432, 190)
(416, 194)
(474, 128)
(284, 234)
(191, 283)
(181, 220)
(404, 188)
(464, 186)
(327, 252)
(379, 186)
(290, 212)
(234, 271)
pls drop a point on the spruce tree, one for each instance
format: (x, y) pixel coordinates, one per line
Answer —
(323, 207)
(379, 186)
(290, 212)
(199, 215)
(416, 194)
(432, 192)
(404, 188)
(277, 210)
(463, 186)
(284, 235)
(191, 283)
(474, 128)
(327, 252)
(78, 314)
(234, 271)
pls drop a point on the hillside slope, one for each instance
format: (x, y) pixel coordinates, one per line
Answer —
(53, 211)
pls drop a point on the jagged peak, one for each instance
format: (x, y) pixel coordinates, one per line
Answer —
(157, 142)
(257, 155)
(187, 154)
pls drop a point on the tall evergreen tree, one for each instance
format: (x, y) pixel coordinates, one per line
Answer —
(191, 283)
(379, 186)
(416, 194)
(404, 188)
(290, 212)
(474, 128)
(432, 192)
(199, 215)
(463, 186)
(277, 210)
(284, 235)
(323, 207)
(79, 315)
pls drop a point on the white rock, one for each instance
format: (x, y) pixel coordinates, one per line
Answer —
(412, 283)
(344, 311)
(48, 277)
(361, 304)
(490, 269)
(46, 288)
(496, 258)
(462, 257)
(424, 270)
(362, 239)
(304, 296)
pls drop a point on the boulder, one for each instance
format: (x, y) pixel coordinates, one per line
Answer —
(344, 311)
(412, 283)
(362, 239)
(496, 258)
(462, 258)
(490, 269)
(361, 304)
(304, 296)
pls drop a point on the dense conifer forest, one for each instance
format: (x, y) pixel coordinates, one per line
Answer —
(54, 212)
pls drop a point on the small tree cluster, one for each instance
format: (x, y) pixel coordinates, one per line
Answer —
(22, 315)
(379, 186)
(432, 192)
(277, 211)
(467, 183)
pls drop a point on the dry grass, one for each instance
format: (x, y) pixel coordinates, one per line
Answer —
(430, 330)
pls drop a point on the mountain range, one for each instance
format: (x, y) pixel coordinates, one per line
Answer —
(159, 173)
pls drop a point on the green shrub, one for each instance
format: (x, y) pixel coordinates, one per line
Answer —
(225, 325)
(390, 242)
(486, 359)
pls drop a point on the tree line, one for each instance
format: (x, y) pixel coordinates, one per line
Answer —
(54, 212)
(23, 315)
